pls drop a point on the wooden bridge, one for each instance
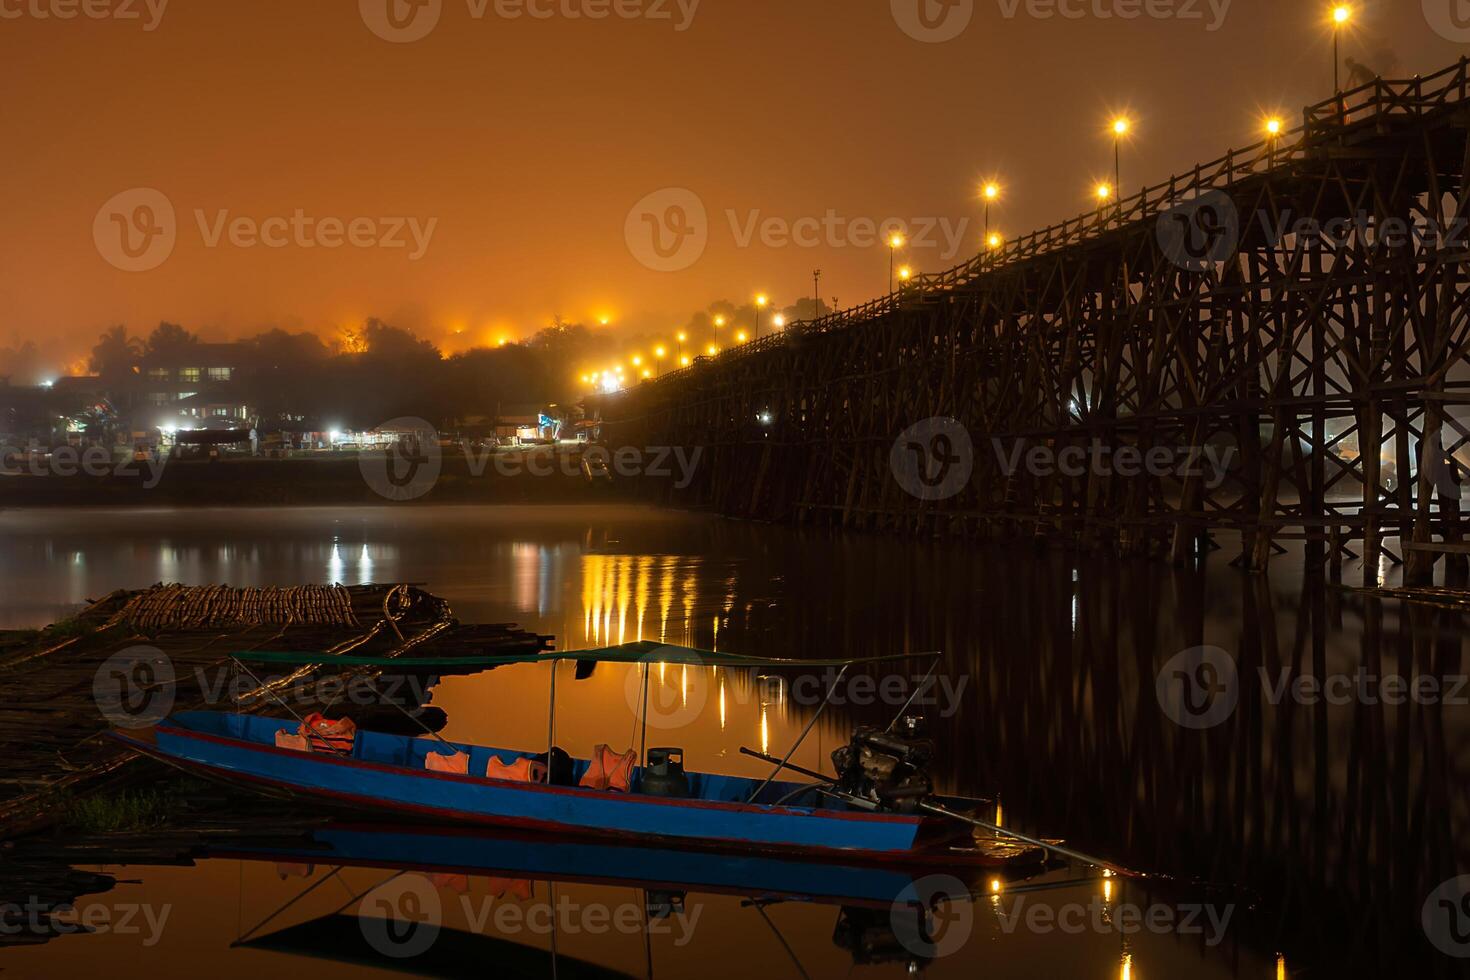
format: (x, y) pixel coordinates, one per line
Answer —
(1325, 373)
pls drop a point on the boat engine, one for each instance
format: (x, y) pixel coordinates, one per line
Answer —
(888, 768)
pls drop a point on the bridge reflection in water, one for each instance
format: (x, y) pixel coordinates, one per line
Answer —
(1340, 811)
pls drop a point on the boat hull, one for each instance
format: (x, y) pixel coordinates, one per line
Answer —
(361, 786)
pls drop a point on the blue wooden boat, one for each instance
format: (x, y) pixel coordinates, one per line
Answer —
(387, 774)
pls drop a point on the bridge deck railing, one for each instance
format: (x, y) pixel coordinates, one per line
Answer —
(1322, 124)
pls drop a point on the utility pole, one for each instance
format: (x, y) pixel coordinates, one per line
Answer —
(817, 294)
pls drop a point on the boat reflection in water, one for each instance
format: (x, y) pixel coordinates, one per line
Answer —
(439, 906)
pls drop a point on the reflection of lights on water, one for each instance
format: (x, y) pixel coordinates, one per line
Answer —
(1126, 973)
(765, 733)
(722, 704)
(335, 565)
(1107, 891)
(999, 814)
(1280, 967)
(995, 886)
(684, 686)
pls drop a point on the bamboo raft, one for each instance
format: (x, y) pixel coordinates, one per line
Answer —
(51, 721)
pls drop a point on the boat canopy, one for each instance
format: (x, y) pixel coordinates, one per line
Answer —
(642, 652)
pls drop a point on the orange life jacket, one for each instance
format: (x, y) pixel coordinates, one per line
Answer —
(610, 770)
(329, 736)
(519, 771)
(296, 743)
(454, 883)
(514, 887)
(459, 763)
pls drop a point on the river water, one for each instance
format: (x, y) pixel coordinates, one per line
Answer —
(1302, 834)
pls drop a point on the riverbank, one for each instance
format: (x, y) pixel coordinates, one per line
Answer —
(337, 479)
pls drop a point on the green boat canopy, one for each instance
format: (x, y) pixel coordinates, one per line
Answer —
(645, 651)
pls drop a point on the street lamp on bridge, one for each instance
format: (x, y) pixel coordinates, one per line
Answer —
(761, 302)
(1342, 14)
(1121, 128)
(991, 193)
(894, 244)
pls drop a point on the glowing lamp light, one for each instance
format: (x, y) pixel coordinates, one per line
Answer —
(742, 336)
(683, 336)
(659, 352)
(637, 361)
(992, 191)
(896, 241)
(994, 241)
(780, 321)
(905, 273)
(683, 362)
(647, 373)
(995, 886)
(762, 301)
(1104, 192)
(1342, 14)
(1121, 127)
(1273, 127)
(711, 350)
(719, 321)
(604, 321)
(610, 385)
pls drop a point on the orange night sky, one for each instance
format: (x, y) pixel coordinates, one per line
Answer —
(523, 144)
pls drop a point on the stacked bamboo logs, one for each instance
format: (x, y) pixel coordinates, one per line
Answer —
(180, 607)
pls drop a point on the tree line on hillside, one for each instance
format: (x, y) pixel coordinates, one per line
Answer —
(376, 372)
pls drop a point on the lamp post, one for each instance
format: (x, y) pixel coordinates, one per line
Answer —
(894, 244)
(1341, 14)
(991, 192)
(761, 302)
(1120, 130)
(658, 359)
(682, 338)
(1273, 132)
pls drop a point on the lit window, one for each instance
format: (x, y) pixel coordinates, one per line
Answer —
(189, 374)
(158, 374)
(219, 374)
